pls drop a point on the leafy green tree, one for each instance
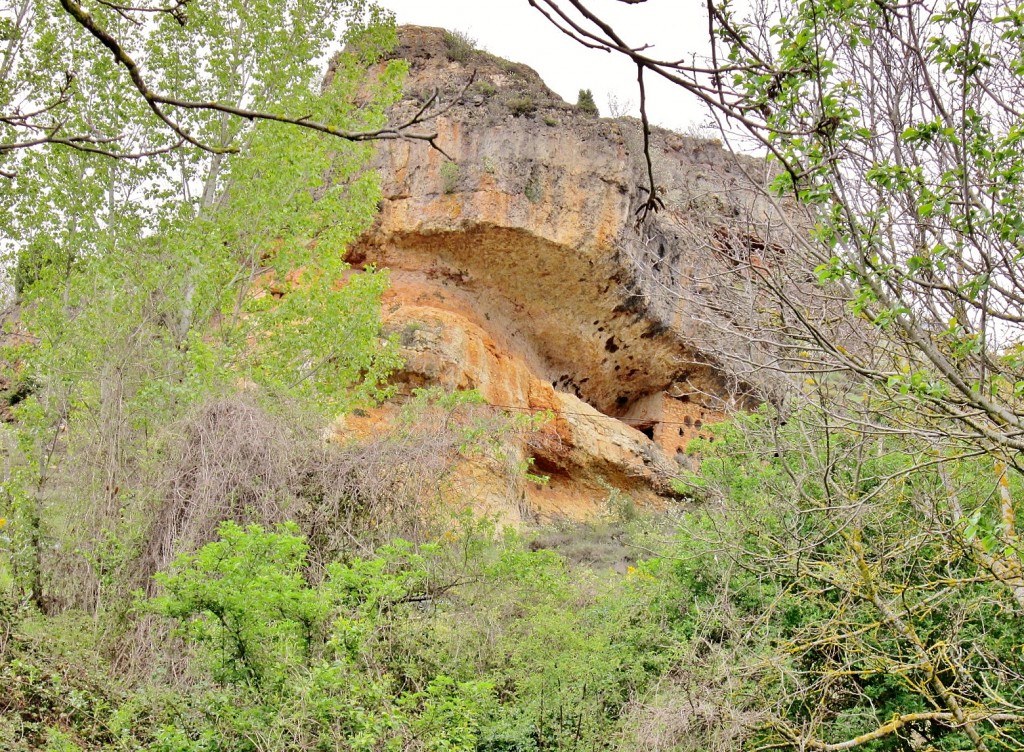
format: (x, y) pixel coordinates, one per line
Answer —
(132, 81)
(585, 102)
(147, 287)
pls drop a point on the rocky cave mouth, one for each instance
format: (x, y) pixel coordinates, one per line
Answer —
(647, 429)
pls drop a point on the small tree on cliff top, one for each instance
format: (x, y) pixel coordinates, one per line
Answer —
(585, 103)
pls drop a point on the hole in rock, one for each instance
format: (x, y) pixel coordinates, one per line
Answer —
(544, 465)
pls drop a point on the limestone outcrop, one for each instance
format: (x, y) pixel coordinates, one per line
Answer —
(518, 269)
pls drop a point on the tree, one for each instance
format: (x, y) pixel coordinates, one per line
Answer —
(149, 286)
(165, 93)
(886, 290)
(131, 81)
(585, 103)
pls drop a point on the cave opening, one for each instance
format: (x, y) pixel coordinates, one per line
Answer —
(647, 429)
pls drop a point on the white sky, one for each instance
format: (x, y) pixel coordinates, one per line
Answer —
(514, 30)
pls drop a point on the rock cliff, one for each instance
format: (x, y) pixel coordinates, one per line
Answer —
(518, 269)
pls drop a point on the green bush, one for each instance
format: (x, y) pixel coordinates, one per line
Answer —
(485, 87)
(523, 105)
(459, 45)
(58, 693)
(449, 176)
(533, 191)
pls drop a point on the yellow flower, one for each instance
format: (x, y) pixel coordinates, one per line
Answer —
(3, 521)
(635, 572)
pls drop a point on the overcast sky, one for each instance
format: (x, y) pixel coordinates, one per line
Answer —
(514, 30)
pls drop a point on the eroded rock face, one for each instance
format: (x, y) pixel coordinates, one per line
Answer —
(518, 270)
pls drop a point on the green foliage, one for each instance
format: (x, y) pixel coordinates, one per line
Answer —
(58, 693)
(449, 176)
(470, 643)
(460, 46)
(296, 660)
(533, 190)
(522, 106)
(210, 57)
(150, 287)
(486, 87)
(463, 646)
(585, 103)
(843, 605)
(244, 601)
(889, 218)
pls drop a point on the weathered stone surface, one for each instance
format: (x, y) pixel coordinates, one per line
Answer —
(518, 270)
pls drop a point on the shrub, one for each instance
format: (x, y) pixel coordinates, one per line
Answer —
(449, 176)
(460, 45)
(244, 600)
(523, 105)
(585, 103)
(55, 680)
(485, 87)
(533, 191)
